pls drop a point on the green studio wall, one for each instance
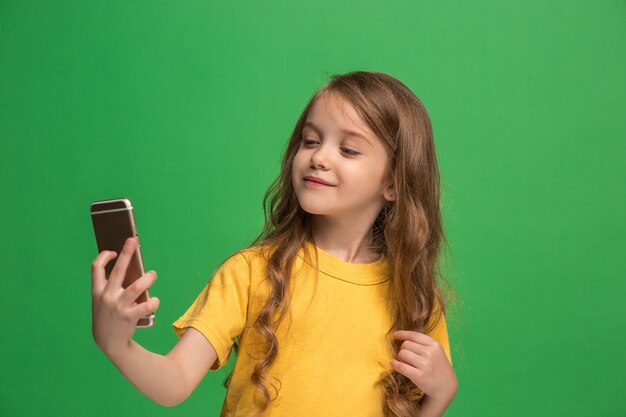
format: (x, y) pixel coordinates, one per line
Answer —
(185, 108)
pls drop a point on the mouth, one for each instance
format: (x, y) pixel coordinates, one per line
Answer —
(314, 182)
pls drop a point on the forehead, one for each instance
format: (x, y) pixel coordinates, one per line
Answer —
(330, 109)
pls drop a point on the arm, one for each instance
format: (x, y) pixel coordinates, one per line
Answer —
(430, 407)
(158, 377)
(167, 380)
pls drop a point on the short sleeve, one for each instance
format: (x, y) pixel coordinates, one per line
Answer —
(219, 312)
(440, 331)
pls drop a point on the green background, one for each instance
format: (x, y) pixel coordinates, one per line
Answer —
(185, 108)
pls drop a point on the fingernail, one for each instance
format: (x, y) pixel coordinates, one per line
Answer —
(129, 242)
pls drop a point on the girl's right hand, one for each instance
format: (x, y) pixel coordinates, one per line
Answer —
(114, 311)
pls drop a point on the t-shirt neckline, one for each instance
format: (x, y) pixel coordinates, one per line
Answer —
(364, 274)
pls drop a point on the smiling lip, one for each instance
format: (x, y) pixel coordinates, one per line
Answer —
(317, 180)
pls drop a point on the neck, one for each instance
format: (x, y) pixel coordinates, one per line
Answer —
(349, 242)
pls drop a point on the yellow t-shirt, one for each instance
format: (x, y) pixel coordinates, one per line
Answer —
(330, 354)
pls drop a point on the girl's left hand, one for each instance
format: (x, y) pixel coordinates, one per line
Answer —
(423, 360)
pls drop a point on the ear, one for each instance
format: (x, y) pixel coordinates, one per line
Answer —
(389, 193)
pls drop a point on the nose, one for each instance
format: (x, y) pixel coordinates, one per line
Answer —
(318, 159)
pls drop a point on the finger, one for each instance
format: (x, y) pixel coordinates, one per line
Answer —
(411, 358)
(144, 309)
(98, 273)
(416, 348)
(416, 337)
(405, 369)
(133, 291)
(119, 270)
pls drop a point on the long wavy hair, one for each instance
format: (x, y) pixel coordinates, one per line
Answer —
(407, 231)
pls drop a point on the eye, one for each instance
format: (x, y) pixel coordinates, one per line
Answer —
(347, 151)
(350, 151)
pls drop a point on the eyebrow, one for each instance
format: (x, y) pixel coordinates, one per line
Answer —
(346, 131)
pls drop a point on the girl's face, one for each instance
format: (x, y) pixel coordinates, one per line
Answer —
(340, 149)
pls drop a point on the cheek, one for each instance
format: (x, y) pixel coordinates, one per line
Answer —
(297, 166)
(365, 179)
(358, 174)
(297, 162)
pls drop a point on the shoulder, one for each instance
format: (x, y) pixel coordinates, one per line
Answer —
(255, 255)
(251, 258)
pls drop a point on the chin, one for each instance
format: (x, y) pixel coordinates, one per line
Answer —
(313, 207)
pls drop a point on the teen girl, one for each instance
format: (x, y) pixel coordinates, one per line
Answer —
(334, 309)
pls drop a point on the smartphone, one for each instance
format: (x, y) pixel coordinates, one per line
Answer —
(113, 223)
